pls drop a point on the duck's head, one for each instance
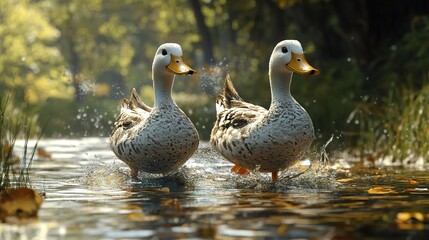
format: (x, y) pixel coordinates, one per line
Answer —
(169, 59)
(288, 56)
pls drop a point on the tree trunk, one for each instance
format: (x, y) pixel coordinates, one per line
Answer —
(206, 40)
(73, 59)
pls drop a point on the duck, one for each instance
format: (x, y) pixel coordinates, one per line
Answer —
(157, 139)
(267, 140)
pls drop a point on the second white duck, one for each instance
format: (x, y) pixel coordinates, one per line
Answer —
(270, 140)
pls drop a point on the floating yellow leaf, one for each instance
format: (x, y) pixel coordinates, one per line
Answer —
(136, 214)
(381, 190)
(410, 220)
(20, 202)
(345, 180)
(282, 229)
(409, 217)
(412, 182)
(9, 155)
(42, 153)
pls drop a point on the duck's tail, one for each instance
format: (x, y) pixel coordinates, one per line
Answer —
(229, 94)
(229, 91)
(136, 102)
(133, 111)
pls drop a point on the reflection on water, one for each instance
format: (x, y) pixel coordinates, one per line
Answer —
(89, 195)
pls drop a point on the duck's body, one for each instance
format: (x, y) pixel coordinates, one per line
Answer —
(158, 139)
(270, 140)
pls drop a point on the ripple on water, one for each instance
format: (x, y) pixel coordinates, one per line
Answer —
(90, 195)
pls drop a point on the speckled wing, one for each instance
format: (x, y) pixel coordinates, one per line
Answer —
(133, 111)
(232, 111)
(238, 115)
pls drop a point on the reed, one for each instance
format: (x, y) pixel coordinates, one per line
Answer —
(14, 169)
(396, 128)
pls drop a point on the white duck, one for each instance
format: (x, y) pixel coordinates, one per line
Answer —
(270, 140)
(162, 138)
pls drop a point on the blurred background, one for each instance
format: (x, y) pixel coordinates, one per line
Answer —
(68, 63)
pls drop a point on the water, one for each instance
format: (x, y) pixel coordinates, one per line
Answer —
(89, 195)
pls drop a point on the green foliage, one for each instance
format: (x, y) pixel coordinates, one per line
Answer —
(28, 53)
(396, 127)
(395, 123)
(74, 60)
(406, 62)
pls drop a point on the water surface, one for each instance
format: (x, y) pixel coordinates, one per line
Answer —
(89, 195)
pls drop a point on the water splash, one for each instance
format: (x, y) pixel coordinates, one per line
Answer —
(324, 158)
(313, 177)
(212, 78)
(87, 86)
(103, 175)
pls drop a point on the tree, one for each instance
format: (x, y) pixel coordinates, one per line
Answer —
(93, 40)
(206, 39)
(28, 55)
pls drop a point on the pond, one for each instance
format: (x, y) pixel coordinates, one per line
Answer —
(89, 195)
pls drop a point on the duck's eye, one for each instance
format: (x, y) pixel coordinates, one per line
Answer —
(284, 50)
(164, 52)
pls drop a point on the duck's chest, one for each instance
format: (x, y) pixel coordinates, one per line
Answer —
(169, 123)
(285, 126)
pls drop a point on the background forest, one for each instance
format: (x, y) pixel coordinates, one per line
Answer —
(69, 62)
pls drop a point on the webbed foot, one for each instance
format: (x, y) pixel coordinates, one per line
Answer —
(239, 170)
(274, 176)
(134, 173)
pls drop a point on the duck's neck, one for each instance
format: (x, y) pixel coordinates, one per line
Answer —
(162, 85)
(280, 88)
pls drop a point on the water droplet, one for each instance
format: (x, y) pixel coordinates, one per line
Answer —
(349, 59)
(356, 122)
(34, 67)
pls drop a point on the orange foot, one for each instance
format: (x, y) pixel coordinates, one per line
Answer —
(274, 176)
(134, 172)
(239, 170)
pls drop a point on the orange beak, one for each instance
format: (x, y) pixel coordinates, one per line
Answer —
(178, 66)
(299, 64)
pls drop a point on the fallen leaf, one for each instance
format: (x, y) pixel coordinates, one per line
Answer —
(412, 182)
(282, 229)
(345, 180)
(42, 153)
(410, 220)
(9, 155)
(19, 202)
(409, 217)
(381, 190)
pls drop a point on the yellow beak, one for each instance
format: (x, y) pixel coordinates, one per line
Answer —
(178, 66)
(299, 64)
